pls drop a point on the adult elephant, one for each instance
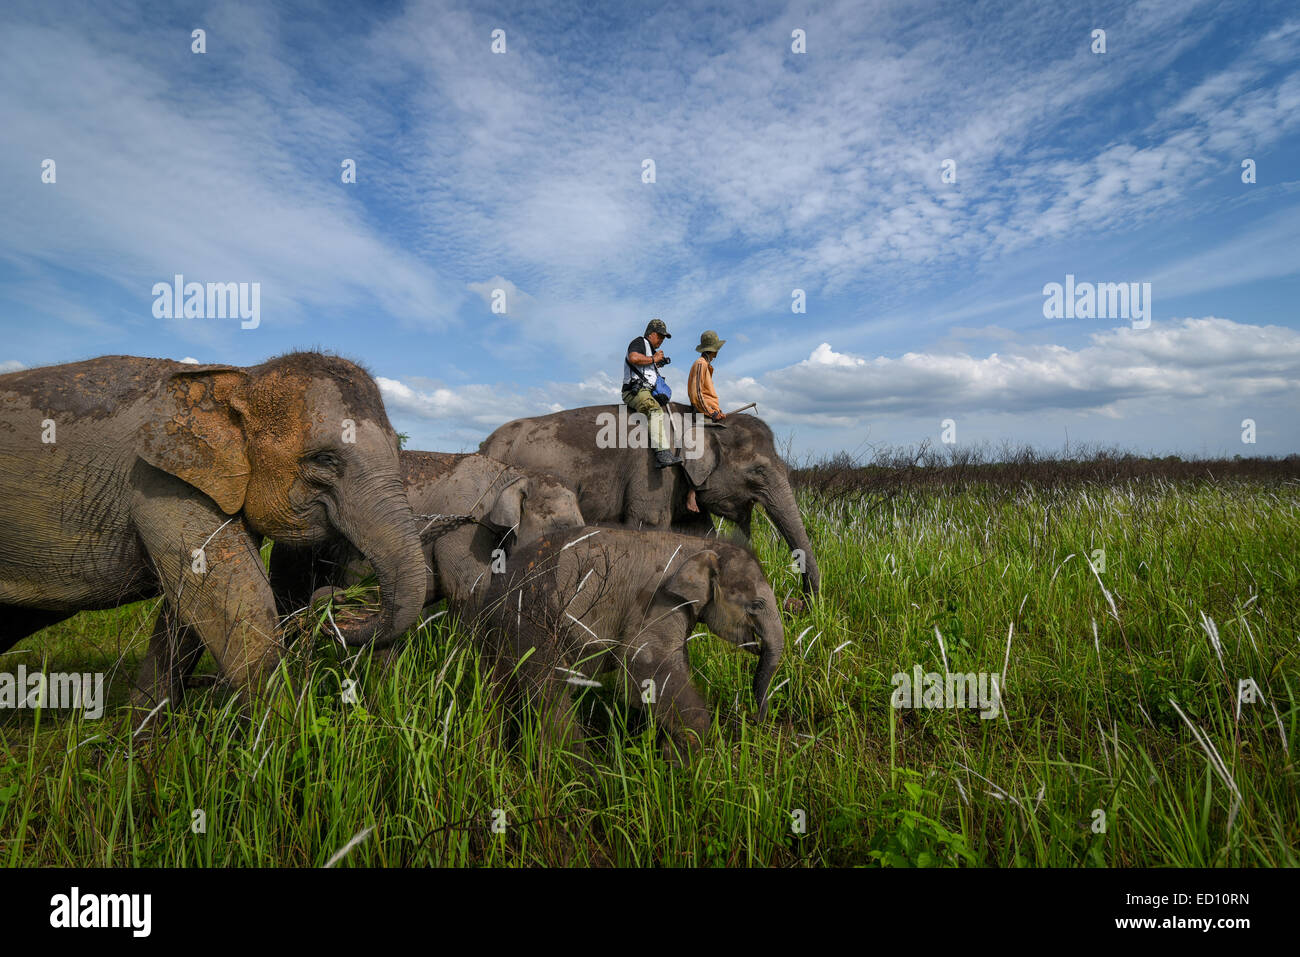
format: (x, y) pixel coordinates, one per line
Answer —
(736, 468)
(124, 478)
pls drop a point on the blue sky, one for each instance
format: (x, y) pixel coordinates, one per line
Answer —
(774, 171)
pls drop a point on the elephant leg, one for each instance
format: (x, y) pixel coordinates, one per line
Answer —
(174, 651)
(662, 683)
(745, 523)
(212, 577)
(537, 682)
(560, 727)
(16, 623)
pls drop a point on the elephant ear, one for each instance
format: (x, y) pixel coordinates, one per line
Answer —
(699, 450)
(507, 509)
(195, 432)
(693, 582)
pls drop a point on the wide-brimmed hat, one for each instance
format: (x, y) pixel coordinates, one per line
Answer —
(657, 325)
(709, 342)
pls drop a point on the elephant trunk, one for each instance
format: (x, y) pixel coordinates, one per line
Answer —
(771, 637)
(784, 511)
(385, 531)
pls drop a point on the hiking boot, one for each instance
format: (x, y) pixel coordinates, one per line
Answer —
(664, 458)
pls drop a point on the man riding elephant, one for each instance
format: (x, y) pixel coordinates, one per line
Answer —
(640, 378)
(732, 469)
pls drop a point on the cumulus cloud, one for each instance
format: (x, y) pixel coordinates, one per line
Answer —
(517, 302)
(1209, 359)
(479, 408)
(1206, 360)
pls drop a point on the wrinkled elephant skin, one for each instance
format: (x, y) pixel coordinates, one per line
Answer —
(736, 468)
(123, 478)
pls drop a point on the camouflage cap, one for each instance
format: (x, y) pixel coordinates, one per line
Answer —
(657, 325)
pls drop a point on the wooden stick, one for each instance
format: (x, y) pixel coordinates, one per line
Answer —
(744, 407)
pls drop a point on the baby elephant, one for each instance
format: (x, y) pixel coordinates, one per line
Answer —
(507, 507)
(579, 603)
(472, 510)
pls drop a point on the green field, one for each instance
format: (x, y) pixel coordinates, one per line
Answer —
(1119, 706)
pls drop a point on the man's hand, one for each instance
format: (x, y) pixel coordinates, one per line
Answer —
(718, 416)
(659, 355)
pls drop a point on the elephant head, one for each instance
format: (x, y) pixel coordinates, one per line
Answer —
(534, 505)
(302, 449)
(736, 466)
(727, 589)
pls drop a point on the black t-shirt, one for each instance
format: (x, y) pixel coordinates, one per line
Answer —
(647, 375)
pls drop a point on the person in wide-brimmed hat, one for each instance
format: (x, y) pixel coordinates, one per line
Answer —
(699, 384)
(699, 388)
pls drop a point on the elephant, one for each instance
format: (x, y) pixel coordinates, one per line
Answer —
(123, 478)
(510, 506)
(589, 600)
(472, 509)
(735, 467)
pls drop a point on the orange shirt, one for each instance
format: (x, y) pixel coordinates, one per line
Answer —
(699, 386)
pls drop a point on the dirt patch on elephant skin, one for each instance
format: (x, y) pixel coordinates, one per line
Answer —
(93, 389)
(356, 386)
(420, 467)
(575, 428)
(97, 388)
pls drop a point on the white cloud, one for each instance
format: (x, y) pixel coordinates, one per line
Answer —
(517, 302)
(1121, 371)
(823, 355)
(10, 365)
(160, 173)
(484, 407)
(812, 171)
(774, 172)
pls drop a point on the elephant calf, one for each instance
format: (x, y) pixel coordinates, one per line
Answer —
(509, 506)
(595, 599)
(734, 466)
(493, 507)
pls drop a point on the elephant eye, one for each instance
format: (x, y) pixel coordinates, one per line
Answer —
(325, 459)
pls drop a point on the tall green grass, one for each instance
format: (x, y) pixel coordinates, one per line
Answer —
(1124, 706)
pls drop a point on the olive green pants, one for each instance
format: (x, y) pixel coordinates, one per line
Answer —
(645, 403)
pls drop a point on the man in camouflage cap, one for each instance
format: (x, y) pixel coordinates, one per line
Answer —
(640, 375)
